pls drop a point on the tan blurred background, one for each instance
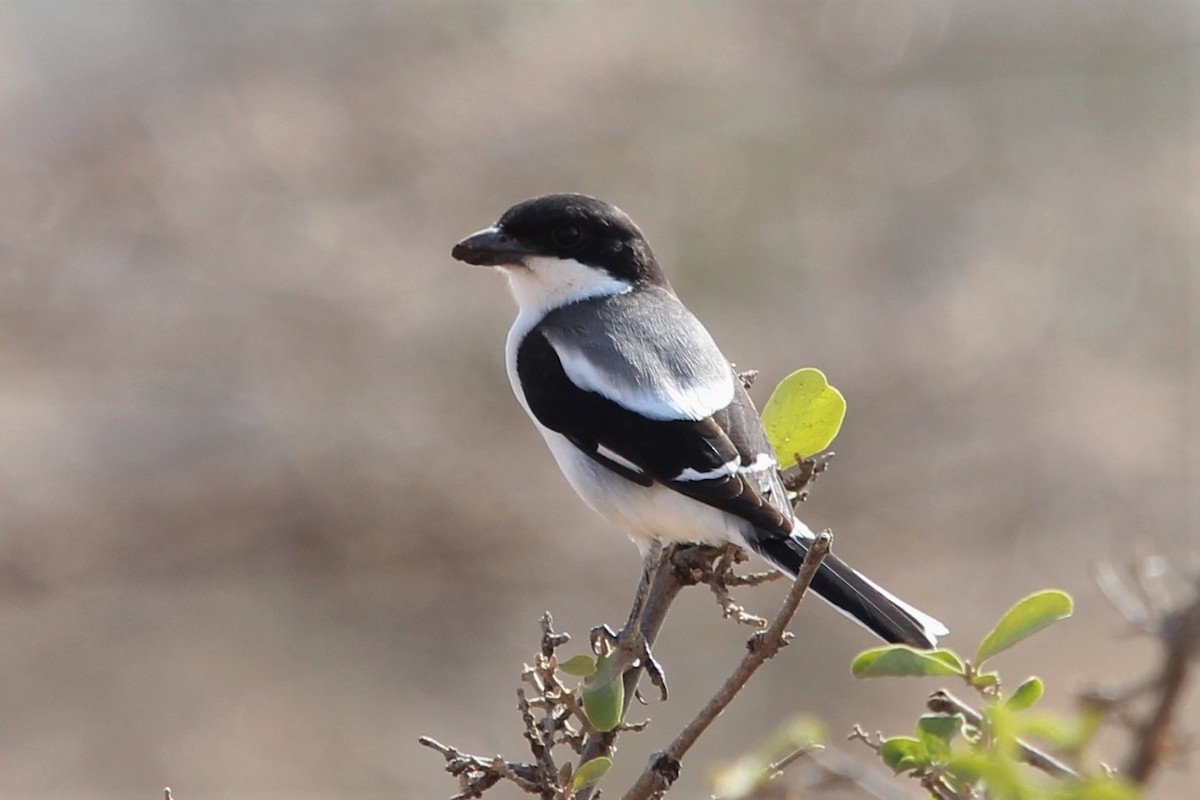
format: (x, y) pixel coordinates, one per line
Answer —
(267, 508)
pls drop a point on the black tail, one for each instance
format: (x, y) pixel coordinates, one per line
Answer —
(885, 615)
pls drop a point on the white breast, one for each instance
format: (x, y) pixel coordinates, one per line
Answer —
(645, 513)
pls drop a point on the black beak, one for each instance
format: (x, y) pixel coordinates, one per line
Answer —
(490, 247)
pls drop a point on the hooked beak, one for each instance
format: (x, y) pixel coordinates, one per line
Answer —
(490, 247)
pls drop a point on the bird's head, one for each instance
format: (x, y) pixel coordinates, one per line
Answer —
(566, 247)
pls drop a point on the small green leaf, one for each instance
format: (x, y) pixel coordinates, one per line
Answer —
(900, 660)
(985, 680)
(590, 772)
(1025, 695)
(582, 666)
(903, 753)
(803, 415)
(936, 732)
(604, 696)
(1025, 619)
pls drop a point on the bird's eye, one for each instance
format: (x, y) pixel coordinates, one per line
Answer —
(567, 235)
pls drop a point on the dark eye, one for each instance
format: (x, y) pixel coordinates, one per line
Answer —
(567, 235)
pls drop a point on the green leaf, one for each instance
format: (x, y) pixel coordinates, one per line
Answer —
(903, 753)
(604, 696)
(590, 772)
(1000, 772)
(948, 657)
(1025, 619)
(803, 415)
(582, 666)
(1025, 695)
(936, 732)
(985, 680)
(900, 660)
(801, 731)
(740, 779)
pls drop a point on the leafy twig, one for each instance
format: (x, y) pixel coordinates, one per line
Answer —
(942, 702)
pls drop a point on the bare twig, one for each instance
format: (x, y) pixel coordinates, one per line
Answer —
(857, 734)
(798, 479)
(477, 774)
(1140, 594)
(664, 767)
(942, 702)
(776, 767)
(1179, 632)
(722, 577)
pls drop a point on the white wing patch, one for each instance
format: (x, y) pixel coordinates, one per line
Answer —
(617, 458)
(662, 399)
(723, 471)
(761, 462)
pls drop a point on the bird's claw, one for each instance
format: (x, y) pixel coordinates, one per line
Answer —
(603, 640)
(637, 651)
(654, 670)
(632, 649)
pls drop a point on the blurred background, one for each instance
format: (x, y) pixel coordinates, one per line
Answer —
(268, 510)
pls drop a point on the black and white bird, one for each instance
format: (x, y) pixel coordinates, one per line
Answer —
(644, 415)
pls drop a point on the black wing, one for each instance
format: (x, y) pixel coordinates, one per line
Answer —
(662, 451)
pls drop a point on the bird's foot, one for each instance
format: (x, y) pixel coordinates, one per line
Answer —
(631, 649)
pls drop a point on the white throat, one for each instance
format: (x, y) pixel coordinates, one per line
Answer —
(544, 284)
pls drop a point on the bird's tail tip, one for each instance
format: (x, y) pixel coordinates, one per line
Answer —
(857, 596)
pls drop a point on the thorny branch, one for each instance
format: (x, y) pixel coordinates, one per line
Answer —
(558, 720)
(664, 767)
(1143, 598)
(551, 713)
(562, 721)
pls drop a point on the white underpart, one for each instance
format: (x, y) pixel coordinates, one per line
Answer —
(646, 513)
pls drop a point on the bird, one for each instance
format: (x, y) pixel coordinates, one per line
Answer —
(644, 415)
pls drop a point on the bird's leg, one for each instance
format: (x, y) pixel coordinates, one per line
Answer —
(631, 642)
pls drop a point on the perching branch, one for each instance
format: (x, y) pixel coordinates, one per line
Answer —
(664, 766)
(562, 721)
